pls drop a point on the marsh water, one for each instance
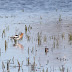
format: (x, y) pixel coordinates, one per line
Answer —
(46, 45)
(41, 30)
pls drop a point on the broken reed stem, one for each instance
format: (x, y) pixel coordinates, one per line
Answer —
(8, 65)
(5, 45)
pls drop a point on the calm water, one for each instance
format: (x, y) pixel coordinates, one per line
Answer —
(45, 24)
(44, 30)
(35, 5)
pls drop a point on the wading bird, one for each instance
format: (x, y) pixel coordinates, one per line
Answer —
(17, 37)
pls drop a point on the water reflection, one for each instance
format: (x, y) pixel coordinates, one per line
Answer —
(3, 66)
(8, 63)
(18, 45)
(33, 67)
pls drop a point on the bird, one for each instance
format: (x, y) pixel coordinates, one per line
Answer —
(46, 50)
(17, 37)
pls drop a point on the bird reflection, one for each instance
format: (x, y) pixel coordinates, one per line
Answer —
(18, 45)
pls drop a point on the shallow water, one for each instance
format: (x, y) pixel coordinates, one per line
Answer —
(45, 24)
(44, 30)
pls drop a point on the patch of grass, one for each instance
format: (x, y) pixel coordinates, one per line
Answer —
(25, 29)
(54, 44)
(28, 60)
(45, 38)
(23, 10)
(63, 36)
(34, 60)
(3, 66)
(7, 28)
(29, 28)
(5, 45)
(43, 70)
(4, 31)
(70, 37)
(28, 50)
(28, 37)
(39, 38)
(18, 64)
(60, 19)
